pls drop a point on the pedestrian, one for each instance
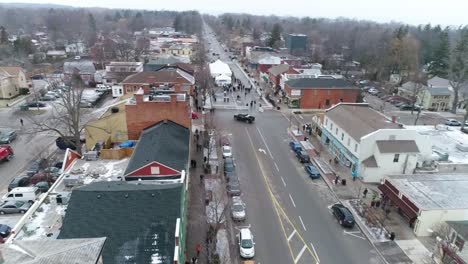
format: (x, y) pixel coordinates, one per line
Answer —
(21, 121)
(198, 249)
(204, 159)
(303, 127)
(374, 196)
(365, 192)
(337, 178)
(201, 178)
(194, 260)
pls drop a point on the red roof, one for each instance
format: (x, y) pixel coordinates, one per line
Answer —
(154, 169)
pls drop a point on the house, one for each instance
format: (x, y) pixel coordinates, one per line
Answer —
(427, 199)
(75, 48)
(145, 110)
(56, 54)
(11, 80)
(165, 80)
(117, 71)
(319, 93)
(111, 126)
(64, 251)
(162, 153)
(142, 222)
(371, 144)
(275, 72)
(433, 98)
(84, 68)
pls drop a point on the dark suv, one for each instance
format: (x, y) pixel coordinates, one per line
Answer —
(36, 166)
(343, 215)
(303, 156)
(19, 181)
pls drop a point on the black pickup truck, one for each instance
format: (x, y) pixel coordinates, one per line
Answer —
(244, 117)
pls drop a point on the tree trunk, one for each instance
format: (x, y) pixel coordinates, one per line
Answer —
(455, 100)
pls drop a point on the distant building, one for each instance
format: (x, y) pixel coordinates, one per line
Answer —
(296, 43)
(11, 80)
(84, 68)
(116, 71)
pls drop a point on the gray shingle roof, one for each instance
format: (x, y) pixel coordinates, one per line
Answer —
(85, 67)
(439, 91)
(278, 69)
(166, 143)
(359, 120)
(311, 83)
(397, 146)
(139, 220)
(64, 251)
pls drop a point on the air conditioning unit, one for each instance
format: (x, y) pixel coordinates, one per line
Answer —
(91, 155)
(62, 197)
(72, 180)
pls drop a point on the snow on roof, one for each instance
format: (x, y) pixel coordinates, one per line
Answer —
(218, 67)
(434, 191)
(445, 140)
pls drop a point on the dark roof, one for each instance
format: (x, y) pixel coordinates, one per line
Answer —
(397, 146)
(359, 120)
(159, 62)
(370, 162)
(442, 91)
(323, 83)
(461, 227)
(278, 69)
(166, 143)
(161, 75)
(65, 251)
(139, 220)
(85, 67)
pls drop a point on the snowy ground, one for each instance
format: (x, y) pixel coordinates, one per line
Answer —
(222, 246)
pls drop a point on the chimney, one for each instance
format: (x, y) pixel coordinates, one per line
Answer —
(165, 121)
(394, 118)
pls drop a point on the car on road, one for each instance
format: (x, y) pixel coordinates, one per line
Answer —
(36, 166)
(452, 122)
(246, 243)
(6, 153)
(312, 171)
(406, 107)
(7, 136)
(35, 104)
(14, 207)
(303, 156)
(343, 215)
(295, 146)
(229, 166)
(4, 230)
(19, 181)
(233, 188)
(238, 209)
(47, 98)
(227, 151)
(245, 118)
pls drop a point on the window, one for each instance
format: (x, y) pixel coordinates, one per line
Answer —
(342, 136)
(336, 131)
(396, 158)
(355, 147)
(331, 126)
(19, 195)
(134, 88)
(315, 92)
(120, 90)
(326, 122)
(127, 88)
(327, 102)
(349, 141)
(155, 170)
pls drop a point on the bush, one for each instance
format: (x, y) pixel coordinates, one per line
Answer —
(23, 91)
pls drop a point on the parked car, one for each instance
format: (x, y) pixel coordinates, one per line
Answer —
(303, 156)
(19, 181)
(246, 244)
(245, 118)
(295, 146)
(42, 186)
(238, 209)
(14, 207)
(7, 136)
(25, 194)
(58, 165)
(39, 177)
(54, 94)
(312, 171)
(66, 142)
(399, 104)
(47, 98)
(229, 166)
(343, 215)
(35, 104)
(452, 122)
(4, 230)
(227, 152)
(405, 106)
(36, 166)
(233, 188)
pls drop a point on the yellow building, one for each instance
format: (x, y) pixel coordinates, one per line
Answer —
(111, 127)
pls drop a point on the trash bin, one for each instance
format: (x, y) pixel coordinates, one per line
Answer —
(343, 181)
(392, 236)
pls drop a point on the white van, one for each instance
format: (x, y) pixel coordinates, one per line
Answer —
(246, 244)
(26, 194)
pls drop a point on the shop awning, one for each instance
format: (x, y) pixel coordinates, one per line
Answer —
(408, 211)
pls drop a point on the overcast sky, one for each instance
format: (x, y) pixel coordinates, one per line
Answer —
(448, 12)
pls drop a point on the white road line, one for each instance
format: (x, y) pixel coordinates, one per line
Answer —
(301, 116)
(353, 234)
(315, 252)
(287, 118)
(284, 183)
(291, 235)
(290, 197)
(300, 254)
(264, 142)
(276, 166)
(300, 218)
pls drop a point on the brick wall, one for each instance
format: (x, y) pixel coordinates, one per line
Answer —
(317, 98)
(145, 114)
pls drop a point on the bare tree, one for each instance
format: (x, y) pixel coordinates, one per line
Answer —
(124, 50)
(458, 70)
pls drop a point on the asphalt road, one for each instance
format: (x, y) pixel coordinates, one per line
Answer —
(288, 212)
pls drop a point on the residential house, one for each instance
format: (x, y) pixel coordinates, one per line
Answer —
(275, 73)
(165, 80)
(75, 49)
(319, 93)
(65, 251)
(458, 237)
(431, 97)
(371, 144)
(145, 110)
(116, 72)
(11, 80)
(110, 127)
(84, 68)
(427, 199)
(56, 54)
(141, 222)
(162, 153)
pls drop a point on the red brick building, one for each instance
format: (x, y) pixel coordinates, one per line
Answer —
(147, 110)
(166, 80)
(274, 73)
(319, 93)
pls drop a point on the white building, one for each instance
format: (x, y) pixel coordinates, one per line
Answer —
(371, 144)
(218, 68)
(78, 48)
(117, 71)
(428, 199)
